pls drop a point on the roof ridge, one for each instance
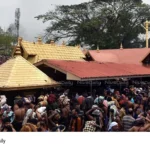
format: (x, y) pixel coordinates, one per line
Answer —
(32, 65)
(125, 49)
(7, 83)
(50, 45)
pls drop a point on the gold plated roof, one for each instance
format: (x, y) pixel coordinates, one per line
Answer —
(51, 51)
(17, 73)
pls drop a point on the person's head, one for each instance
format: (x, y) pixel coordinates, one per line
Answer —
(113, 126)
(77, 106)
(28, 127)
(6, 121)
(130, 111)
(58, 128)
(75, 112)
(7, 128)
(139, 122)
(123, 105)
(138, 111)
(20, 103)
(112, 111)
(41, 126)
(32, 121)
(101, 104)
(115, 96)
(109, 99)
(105, 93)
(56, 117)
(109, 93)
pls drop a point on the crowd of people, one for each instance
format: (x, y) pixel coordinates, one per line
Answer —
(113, 111)
(3, 59)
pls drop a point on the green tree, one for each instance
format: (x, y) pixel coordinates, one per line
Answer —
(7, 40)
(103, 23)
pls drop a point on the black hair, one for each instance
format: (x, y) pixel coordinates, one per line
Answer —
(33, 121)
(8, 128)
(139, 122)
(42, 124)
(6, 120)
(109, 99)
(108, 93)
(77, 110)
(61, 127)
(20, 103)
(130, 112)
(112, 110)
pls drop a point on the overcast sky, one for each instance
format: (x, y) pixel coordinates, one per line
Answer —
(30, 27)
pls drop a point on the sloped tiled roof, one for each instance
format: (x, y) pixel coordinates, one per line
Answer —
(128, 56)
(52, 51)
(17, 73)
(89, 70)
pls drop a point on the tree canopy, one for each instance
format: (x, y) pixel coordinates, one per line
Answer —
(9, 37)
(7, 40)
(103, 23)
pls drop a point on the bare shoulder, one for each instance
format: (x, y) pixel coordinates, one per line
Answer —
(19, 110)
(16, 107)
(133, 129)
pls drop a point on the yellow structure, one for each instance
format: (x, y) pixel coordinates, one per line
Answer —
(19, 74)
(98, 49)
(121, 46)
(35, 52)
(147, 23)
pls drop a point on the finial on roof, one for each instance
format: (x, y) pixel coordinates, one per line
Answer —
(97, 48)
(52, 42)
(39, 40)
(17, 50)
(63, 43)
(19, 40)
(121, 46)
(79, 46)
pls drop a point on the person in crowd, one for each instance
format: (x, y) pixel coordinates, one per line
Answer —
(128, 120)
(113, 127)
(19, 112)
(140, 126)
(77, 121)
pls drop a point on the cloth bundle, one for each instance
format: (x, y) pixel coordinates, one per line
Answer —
(3, 100)
(89, 126)
(51, 98)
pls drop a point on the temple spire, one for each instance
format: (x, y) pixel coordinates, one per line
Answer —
(39, 40)
(121, 46)
(63, 43)
(98, 49)
(52, 42)
(18, 50)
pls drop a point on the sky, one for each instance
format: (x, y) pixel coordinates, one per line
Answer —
(30, 28)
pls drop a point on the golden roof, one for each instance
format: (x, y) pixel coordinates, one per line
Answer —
(39, 51)
(17, 73)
